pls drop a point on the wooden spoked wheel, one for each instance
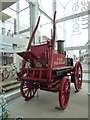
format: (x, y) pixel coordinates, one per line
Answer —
(78, 76)
(64, 92)
(28, 90)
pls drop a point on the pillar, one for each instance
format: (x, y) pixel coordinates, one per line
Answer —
(14, 26)
(89, 63)
(33, 20)
(17, 35)
(14, 54)
(1, 31)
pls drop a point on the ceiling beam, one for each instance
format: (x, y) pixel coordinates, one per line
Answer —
(6, 3)
(25, 30)
(12, 50)
(77, 48)
(73, 16)
(44, 12)
(32, 2)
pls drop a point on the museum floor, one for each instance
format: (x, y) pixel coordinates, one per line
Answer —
(44, 106)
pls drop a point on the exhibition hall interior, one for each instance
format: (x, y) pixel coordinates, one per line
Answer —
(44, 59)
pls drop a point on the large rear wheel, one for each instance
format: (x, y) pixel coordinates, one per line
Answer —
(78, 76)
(64, 93)
(28, 89)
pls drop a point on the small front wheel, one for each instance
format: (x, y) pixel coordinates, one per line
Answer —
(64, 93)
(28, 90)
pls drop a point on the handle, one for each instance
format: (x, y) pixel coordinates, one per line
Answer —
(32, 36)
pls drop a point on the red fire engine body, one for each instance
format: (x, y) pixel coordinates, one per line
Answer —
(47, 71)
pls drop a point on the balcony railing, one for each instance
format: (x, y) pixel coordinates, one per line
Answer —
(7, 32)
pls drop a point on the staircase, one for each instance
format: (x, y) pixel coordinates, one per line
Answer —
(10, 85)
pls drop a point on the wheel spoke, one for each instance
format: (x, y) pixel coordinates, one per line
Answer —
(63, 99)
(30, 93)
(66, 98)
(66, 85)
(80, 81)
(25, 87)
(76, 80)
(25, 83)
(26, 91)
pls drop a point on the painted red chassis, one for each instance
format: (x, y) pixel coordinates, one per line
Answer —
(52, 76)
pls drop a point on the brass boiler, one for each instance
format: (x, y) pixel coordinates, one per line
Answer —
(60, 50)
(60, 46)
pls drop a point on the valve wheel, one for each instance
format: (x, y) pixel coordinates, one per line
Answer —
(64, 93)
(78, 76)
(28, 90)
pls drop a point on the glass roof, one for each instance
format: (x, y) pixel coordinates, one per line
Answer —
(13, 6)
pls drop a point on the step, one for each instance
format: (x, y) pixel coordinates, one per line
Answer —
(9, 83)
(12, 87)
(12, 94)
